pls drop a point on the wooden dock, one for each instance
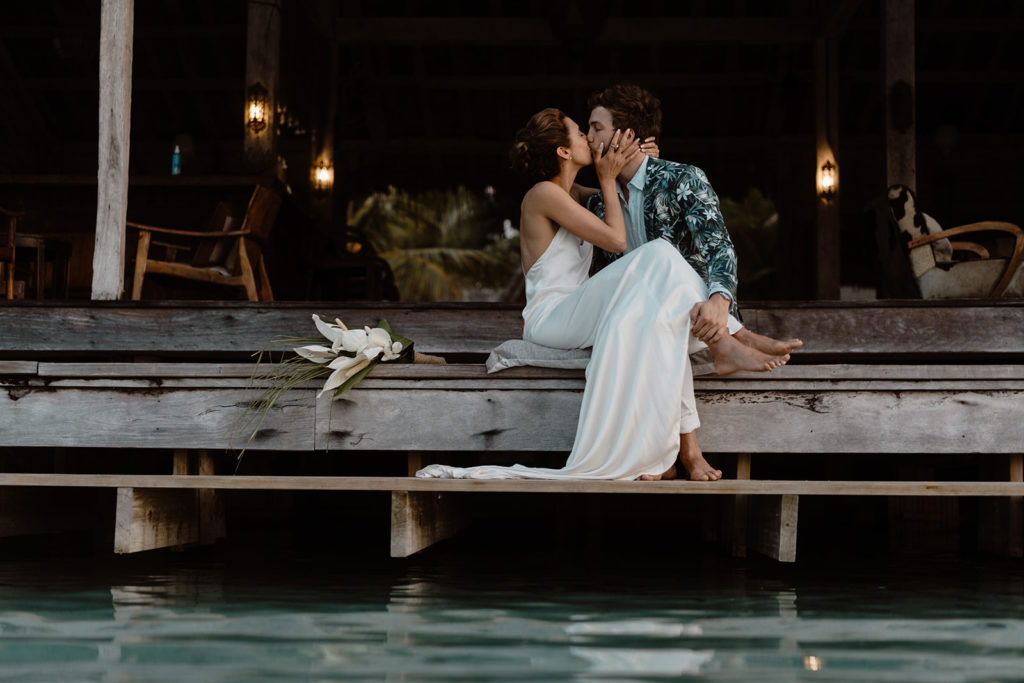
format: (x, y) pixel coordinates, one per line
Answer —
(167, 379)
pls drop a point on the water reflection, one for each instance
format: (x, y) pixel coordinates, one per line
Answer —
(452, 617)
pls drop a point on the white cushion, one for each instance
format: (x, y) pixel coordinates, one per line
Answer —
(517, 352)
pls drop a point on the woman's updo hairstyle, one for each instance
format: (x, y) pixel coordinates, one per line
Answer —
(533, 153)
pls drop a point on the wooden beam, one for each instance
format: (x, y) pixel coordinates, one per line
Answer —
(854, 331)
(775, 525)
(263, 66)
(774, 487)
(117, 20)
(146, 519)
(826, 95)
(900, 92)
(741, 508)
(421, 519)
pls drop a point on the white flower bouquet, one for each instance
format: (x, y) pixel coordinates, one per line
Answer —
(349, 358)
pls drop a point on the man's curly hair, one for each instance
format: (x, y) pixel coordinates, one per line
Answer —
(631, 107)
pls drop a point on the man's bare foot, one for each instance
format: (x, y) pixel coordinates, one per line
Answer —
(732, 356)
(773, 347)
(692, 458)
(670, 473)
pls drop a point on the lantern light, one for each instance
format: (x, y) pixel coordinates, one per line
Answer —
(256, 109)
(828, 182)
(323, 177)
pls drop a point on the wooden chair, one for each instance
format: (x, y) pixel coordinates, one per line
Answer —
(7, 249)
(236, 266)
(947, 269)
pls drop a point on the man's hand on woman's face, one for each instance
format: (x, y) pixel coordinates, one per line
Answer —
(650, 147)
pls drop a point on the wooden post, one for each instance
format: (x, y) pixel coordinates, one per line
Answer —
(146, 519)
(325, 105)
(827, 128)
(262, 65)
(775, 525)
(420, 519)
(900, 92)
(740, 508)
(1001, 520)
(117, 25)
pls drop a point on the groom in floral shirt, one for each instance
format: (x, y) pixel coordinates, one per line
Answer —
(664, 199)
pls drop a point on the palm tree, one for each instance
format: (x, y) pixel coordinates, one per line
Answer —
(754, 228)
(440, 244)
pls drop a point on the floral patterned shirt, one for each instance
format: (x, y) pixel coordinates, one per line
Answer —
(681, 206)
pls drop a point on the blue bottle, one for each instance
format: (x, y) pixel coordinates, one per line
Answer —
(176, 161)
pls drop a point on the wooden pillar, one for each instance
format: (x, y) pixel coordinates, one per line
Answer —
(146, 519)
(325, 101)
(826, 95)
(420, 519)
(262, 66)
(900, 93)
(117, 27)
(740, 508)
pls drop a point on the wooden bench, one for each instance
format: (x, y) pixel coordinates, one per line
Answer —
(893, 378)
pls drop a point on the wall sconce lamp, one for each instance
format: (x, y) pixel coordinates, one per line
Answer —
(256, 109)
(828, 182)
(323, 177)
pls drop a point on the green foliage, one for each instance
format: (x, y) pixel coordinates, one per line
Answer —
(754, 228)
(441, 245)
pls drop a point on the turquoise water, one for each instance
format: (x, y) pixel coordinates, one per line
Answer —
(458, 614)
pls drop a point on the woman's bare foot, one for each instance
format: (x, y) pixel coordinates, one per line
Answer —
(692, 458)
(697, 468)
(670, 473)
(773, 347)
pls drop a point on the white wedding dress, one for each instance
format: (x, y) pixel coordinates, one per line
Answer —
(635, 313)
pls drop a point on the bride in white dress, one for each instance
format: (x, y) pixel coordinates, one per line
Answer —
(635, 313)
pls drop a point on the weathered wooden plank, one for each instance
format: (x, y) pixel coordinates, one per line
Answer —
(421, 519)
(721, 487)
(838, 371)
(773, 421)
(237, 329)
(146, 519)
(775, 525)
(9, 368)
(117, 25)
(480, 419)
(141, 418)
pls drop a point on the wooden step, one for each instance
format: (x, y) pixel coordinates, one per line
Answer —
(723, 487)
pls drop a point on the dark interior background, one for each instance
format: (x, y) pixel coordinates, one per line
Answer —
(435, 104)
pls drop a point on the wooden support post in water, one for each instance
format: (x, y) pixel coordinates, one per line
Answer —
(117, 25)
(421, 519)
(900, 92)
(775, 525)
(146, 519)
(1001, 520)
(740, 509)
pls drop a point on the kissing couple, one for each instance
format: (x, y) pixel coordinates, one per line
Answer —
(642, 270)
